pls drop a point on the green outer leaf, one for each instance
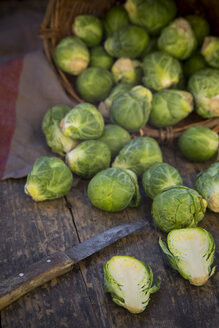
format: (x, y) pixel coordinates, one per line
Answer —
(171, 258)
(115, 18)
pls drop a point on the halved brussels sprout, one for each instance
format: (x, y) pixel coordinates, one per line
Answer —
(195, 63)
(126, 70)
(71, 55)
(210, 51)
(94, 84)
(49, 178)
(178, 39)
(191, 253)
(204, 85)
(161, 71)
(88, 158)
(100, 58)
(198, 143)
(178, 207)
(131, 110)
(114, 189)
(169, 107)
(207, 184)
(158, 177)
(89, 28)
(153, 15)
(138, 155)
(83, 122)
(118, 90)
(115, 18)
(199, 26)
(130, 282)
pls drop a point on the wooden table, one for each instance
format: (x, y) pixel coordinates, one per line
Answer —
(30, 231)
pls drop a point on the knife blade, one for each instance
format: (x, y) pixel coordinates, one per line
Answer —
(59, 263)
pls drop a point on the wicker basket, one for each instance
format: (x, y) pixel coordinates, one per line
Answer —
(57, 24)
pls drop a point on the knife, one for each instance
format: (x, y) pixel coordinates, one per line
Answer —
(59, 263)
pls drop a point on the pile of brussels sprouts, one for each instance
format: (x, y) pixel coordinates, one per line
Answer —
(130, 62)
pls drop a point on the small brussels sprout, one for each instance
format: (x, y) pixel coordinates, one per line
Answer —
(199, 26)
(178, 207)
(169, 107)
(138, 155)
(88, 158)
(195, 63)
(100, 58)
(131, 110)
(151, 47)
(207, 184)
(210, 51)
(153, 15)
(158, 177)
(178, 39)
(128, 41)
(198, 143)
(118, 90)
(94, 84)
(83, 122)
(71, 55)
(115, 137)
(89, 28)
(130, 282)
(126, 70)
(161, 71)
(49, 178)
(114, 189)
(191, 253)
(115, 18)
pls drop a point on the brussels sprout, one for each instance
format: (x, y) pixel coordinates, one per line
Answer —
(138, 155)
(88, 158)
(127, 71)
(94, 84)
(158, 177)
(49, 178)
(178, 207)
(100, 58)
(118, 90)
(131, 110)
(151, 47)
(191, 253)
(199, 26)
(169, 107)
(207, 184)
(130, 282)
(198, 143)
(88, 28)
(115, 137)
(153, 15)
(71, 55)
(210, 50)
(178, 39)
(115, 18)
(83, 122)
(128, 41)
(195, 63)
(161, 71)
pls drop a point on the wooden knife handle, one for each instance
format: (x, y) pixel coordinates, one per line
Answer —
(33, 276)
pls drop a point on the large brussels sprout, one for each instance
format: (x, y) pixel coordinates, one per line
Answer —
(191, 253)
(118, 90)
(199, 26)
(130, 282)
(55, 139)
(49, 178)
(169, 107)
(194, 63)
(207, 184)
(178, 207)
(114, 189)
(153, 15)
(198, 143)
(138, 155)
(115, 137)
(158, 177)
(126, 70)
(88, 158)
(131, 110)
(71, 55)
(210, 51)
(178, 39)
(89, 28)
(94, 84)
(161, 71)
(204, 85)
(128, 41)
(83, 122)
(100, 58)
(115, 18)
